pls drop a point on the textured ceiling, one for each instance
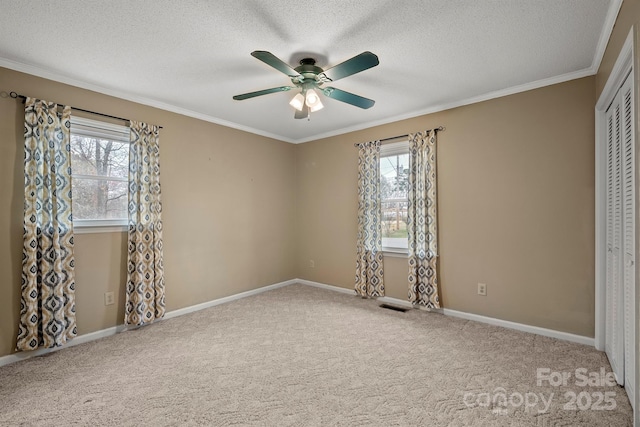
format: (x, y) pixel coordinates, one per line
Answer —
(192, 56)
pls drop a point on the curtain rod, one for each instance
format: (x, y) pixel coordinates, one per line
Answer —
(24, 98)
(438, 129)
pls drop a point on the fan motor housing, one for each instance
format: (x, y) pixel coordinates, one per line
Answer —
(308, 66)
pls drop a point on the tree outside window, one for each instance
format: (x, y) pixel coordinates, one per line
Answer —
(99, 177)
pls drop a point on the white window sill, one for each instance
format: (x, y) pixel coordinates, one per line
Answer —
(99, 229)
(99, 226)
(395, 252)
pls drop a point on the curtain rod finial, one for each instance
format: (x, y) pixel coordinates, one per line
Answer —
(15, 95)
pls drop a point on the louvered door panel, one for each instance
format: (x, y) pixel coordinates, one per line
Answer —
(628, 234)
(614, 346)
(609, 238)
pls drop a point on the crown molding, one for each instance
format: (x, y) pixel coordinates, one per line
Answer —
(51, 75)
(602, 44)
(605, 35)
(447, 106)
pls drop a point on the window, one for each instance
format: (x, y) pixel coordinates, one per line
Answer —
(394, 184)
(99, 175)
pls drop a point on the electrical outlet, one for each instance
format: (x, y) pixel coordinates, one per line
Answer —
(312, 263)
(109, 298)
(482, 289)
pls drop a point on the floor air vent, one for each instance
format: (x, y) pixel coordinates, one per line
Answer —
(394, 308)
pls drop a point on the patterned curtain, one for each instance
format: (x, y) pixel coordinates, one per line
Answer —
(145, 275)
(422, 223)
(369, 271)
(47, 307)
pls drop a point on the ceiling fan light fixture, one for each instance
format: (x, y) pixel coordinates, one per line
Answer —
(317, 106)
(297, 102)
(312, 98)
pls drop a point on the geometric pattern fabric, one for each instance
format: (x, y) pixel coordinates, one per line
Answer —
(422, 222)
(369, 260)
(145, 299)
(47, 305)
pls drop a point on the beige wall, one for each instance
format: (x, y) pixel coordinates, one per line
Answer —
(516, 197)
(227, 210)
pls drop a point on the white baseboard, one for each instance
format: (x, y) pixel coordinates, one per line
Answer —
(566, 336)
(81, 339)
(202, 306)
(325, 286)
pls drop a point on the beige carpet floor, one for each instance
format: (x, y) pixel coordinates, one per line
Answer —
(301, 356)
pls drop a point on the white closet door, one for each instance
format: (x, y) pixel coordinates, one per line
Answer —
(609, 301)
(628, 233)
(614, 343)
(608, 346)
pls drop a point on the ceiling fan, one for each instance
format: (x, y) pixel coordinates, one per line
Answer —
(308, 77)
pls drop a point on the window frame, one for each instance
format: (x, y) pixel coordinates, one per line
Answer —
(103, 130)
(386, 150)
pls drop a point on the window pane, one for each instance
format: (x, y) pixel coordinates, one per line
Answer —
(394, 223)
(394, 176)
(394, 183)
(99, 199)
(95, 156)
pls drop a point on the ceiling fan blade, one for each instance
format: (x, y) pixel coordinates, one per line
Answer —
(352, 66)
(302, 114)
(262, 92)
(272, 60)
(348, 97)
